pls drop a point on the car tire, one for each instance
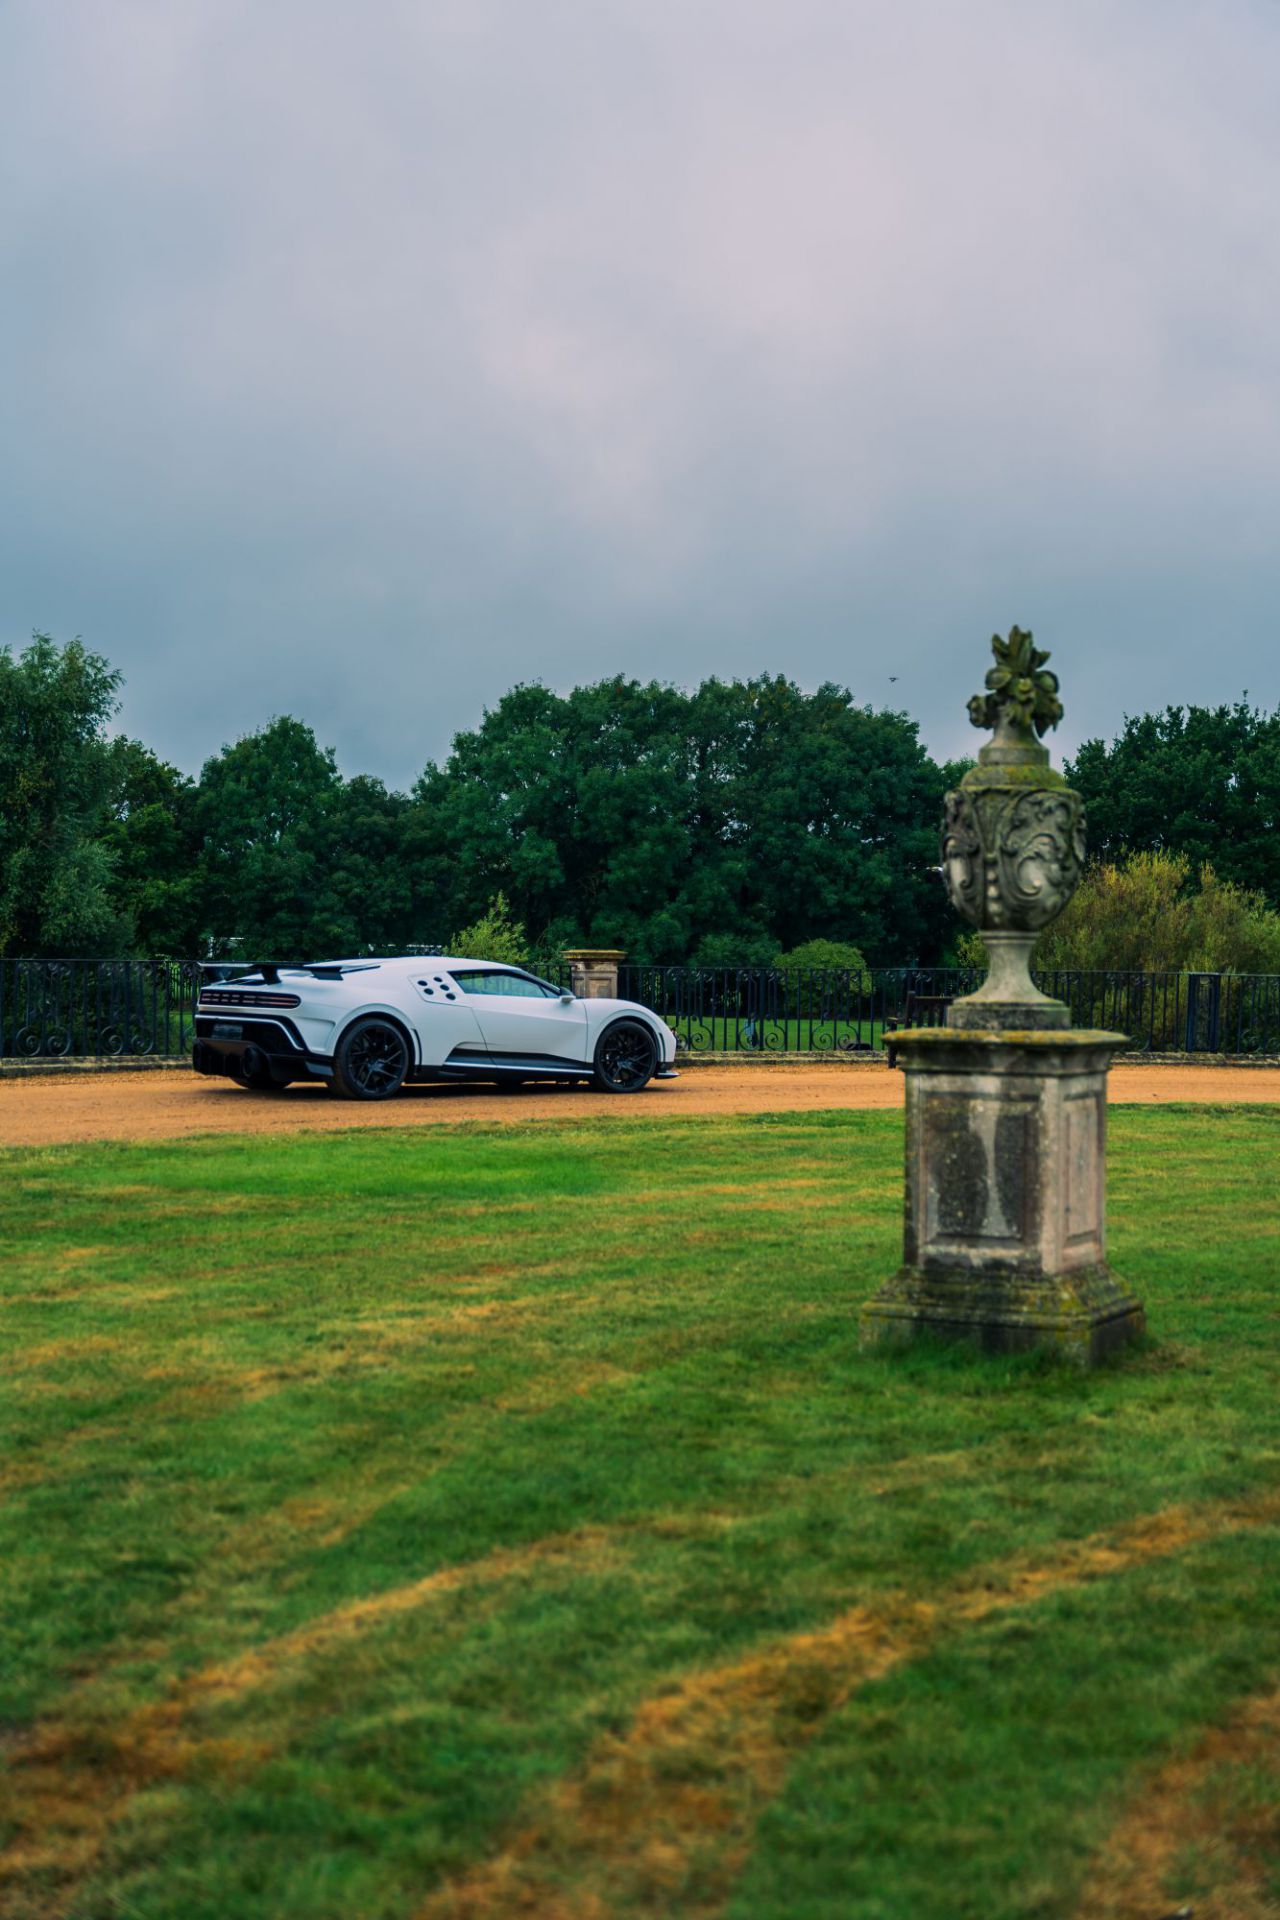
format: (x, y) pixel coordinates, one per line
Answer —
(625, 1058)
(372, 1060)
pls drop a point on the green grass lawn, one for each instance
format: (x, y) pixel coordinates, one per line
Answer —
(503, 1521)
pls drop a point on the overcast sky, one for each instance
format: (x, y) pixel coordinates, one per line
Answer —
(357, 361)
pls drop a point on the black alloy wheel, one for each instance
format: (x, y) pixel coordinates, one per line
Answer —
(626, 1055)
(371, 1062)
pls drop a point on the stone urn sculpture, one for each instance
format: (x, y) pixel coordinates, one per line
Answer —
(1004, 1236)
(1012, 838)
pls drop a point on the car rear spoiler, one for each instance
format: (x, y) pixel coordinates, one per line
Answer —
(270, 970)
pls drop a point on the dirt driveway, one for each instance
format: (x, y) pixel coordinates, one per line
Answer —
(162, 1106)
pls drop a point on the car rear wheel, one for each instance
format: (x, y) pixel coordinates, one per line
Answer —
(371, 1062)
(625, 1057)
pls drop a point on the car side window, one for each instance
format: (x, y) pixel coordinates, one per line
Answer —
(510, 986)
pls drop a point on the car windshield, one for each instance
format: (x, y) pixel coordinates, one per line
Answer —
(516, 986)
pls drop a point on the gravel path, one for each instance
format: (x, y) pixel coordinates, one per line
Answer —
(163, 1106)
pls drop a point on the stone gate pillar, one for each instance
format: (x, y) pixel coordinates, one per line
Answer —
(1005, 1225)
(594, 971)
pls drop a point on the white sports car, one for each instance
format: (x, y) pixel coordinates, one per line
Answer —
(365, 1027)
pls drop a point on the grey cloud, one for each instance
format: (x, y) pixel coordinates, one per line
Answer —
(366, 360)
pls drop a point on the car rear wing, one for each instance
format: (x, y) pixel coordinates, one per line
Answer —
(269, 971)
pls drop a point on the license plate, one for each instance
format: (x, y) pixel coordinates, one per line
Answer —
(227, 1030)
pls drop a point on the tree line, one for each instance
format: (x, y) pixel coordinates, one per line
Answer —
(720, 824)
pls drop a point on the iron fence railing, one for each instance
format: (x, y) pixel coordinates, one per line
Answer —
(135, 1008)
(99, 1008)
(766, 1009)
(1229, 1013)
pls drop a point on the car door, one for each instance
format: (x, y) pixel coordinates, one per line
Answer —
(446, 1021)
(524, 1020)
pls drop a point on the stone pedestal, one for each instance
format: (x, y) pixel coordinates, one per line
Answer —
(1004, 1240)
(594, 971)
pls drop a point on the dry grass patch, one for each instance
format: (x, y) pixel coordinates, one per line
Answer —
(1204, 1832)
(669, 1809)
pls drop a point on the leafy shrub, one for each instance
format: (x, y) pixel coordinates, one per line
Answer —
(494, 936)
(1146, 914)
(829, 956)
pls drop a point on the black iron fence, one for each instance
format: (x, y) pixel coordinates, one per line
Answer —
(1229, 1013)
(134, 1008)
(765, 1009)
(100, 1008)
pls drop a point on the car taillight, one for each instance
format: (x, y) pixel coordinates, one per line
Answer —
(250, 1000)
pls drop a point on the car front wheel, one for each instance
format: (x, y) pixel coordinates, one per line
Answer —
(371, 1062)
(625, 1058)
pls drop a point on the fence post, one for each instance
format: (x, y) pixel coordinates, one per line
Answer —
(1214, 981)
(1208, 986)
(593, 971)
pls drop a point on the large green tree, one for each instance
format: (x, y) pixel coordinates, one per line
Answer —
(151, 835)
(295, 861)
(832, 816)
(556, 803)
(56, 871)
(1199, 781)
(636, 815)
(379, 902)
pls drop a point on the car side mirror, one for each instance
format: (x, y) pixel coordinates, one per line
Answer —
(567, 994)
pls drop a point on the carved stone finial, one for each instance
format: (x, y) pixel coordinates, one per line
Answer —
(1013, 837)
(1018, 688)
